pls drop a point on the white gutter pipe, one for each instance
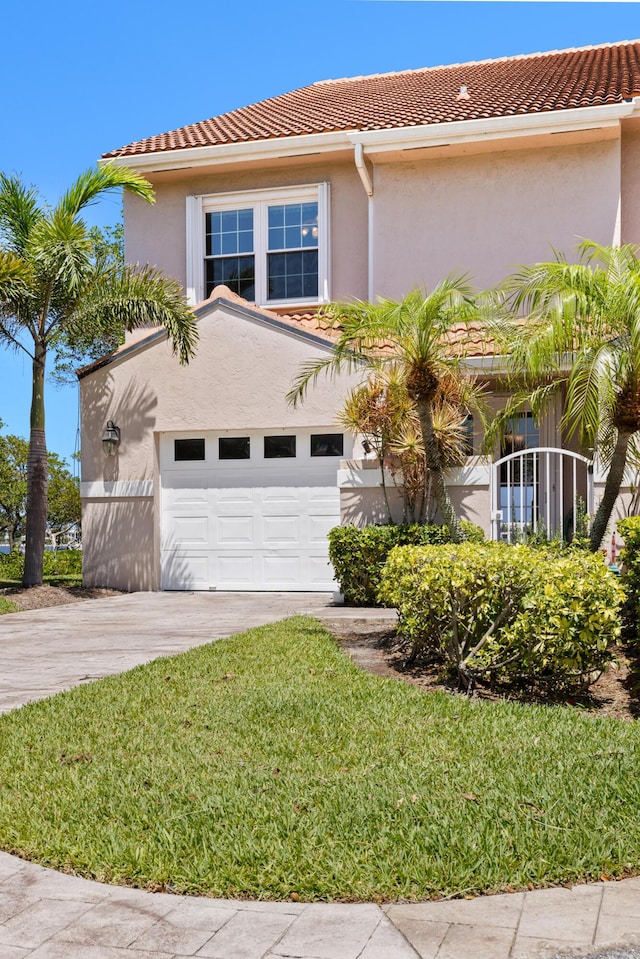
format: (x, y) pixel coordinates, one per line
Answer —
(367, 182)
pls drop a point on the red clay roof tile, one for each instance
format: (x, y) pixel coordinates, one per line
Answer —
(533, 83)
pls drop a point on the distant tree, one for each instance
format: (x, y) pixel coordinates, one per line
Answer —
(58, 291)
(14, 454)
(63, 501)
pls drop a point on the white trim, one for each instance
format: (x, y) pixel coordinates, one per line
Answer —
(122, 489)
(435, 134)
(195, 248)
(495, 128)
(476, 472)
(199, 205)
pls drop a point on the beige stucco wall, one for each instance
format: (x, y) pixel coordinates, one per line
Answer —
(157, 234)
(237, 380)
(484, 214)
(630, 175)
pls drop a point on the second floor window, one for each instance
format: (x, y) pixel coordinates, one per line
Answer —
(270, 247)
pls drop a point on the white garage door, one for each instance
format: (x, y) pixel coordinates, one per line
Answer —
(249, 511)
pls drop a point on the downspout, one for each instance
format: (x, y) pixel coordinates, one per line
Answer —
(367, 182)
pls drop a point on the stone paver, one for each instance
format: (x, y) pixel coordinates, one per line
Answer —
(48, 915)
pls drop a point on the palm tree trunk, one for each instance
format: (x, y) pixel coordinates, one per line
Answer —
(611, 491)
(434, 466)
(36, 478)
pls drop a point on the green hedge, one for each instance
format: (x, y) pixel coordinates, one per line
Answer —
(503, 612)
(359, 553)
(629, 529)
(66, 562)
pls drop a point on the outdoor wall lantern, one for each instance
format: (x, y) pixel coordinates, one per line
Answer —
(111, 439)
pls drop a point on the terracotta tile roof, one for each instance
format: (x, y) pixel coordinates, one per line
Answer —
(533, 83)
(471, 339)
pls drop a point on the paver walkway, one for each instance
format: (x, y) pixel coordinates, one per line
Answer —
(48, 915)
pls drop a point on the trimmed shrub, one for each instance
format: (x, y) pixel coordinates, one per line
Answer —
(510, 613)
(359, 553)
(629, 529)
(66, 562)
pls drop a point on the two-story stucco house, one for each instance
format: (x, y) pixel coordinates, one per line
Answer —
(359, 187)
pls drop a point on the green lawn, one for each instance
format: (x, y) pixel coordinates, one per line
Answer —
(268, 764)
(6, 606)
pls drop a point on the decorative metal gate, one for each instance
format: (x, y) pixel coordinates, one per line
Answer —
(539, 491)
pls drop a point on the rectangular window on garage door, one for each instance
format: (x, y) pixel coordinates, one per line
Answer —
(234, 448)
(279, 447)
(327, 444)
(188, 449)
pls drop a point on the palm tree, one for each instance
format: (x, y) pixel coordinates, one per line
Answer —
(582, 336)
(424, 337)
(53, 289)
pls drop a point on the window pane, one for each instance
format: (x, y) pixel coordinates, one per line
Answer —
(236, 272)
(279, 447)
(234, 448)
(293, 214)
(230, 221)
(229, 243)
(245, 219)
(299, 272)
(292, 237)
(467, 440)
(192, 449)
(276, 216)
(276, 237)
(327, 444)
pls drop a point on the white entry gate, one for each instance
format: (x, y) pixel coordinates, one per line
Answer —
(539, 490)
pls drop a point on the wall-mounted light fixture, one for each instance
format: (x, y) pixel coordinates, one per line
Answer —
(111, 439)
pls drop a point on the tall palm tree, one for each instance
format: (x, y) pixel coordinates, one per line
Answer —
(53, 289)
(424, 336)
(582, 336)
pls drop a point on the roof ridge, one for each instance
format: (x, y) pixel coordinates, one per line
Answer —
(474, 63)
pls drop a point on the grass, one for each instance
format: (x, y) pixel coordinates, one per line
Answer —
(268, 765)
(6, 606)
(65, 580)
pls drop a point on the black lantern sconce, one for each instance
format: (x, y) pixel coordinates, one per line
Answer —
(111, 439)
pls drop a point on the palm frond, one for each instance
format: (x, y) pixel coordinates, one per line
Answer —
(135, 297)
(20, 212)
(96, 181)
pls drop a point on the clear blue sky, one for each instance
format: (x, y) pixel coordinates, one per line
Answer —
(79, 79)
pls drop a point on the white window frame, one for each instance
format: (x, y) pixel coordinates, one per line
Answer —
(259, 201)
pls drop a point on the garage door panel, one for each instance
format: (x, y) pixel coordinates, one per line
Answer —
(280, 530)
(235, 531)
(282, 571)
(234, 497)
(189, 531)
(318, 528)
(235, 571)
(189, 570)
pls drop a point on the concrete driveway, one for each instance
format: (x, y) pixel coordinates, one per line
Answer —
(47, 650)
(47, 915)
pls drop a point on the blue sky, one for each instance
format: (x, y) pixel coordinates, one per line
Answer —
(81, 78)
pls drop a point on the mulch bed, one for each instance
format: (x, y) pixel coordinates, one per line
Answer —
(378, 649)
(39, 597)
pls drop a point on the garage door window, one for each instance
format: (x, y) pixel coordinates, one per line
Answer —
(327, 444)
(190, 449)
(234, 448)
(279, 447)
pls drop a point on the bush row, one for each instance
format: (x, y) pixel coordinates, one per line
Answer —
(629, 529)
(506, 613)
(67, 562)
(359, 553)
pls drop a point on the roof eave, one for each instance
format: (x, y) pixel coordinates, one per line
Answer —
(380, 141)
